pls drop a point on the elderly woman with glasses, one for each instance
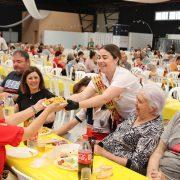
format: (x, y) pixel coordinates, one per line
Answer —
(134, 140)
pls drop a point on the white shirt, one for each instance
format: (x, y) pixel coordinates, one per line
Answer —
(3, 45)
(123, 79)
(100, 117)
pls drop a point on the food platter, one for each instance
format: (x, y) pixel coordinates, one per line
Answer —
(70, 162)
(60, 100)
(67, 157)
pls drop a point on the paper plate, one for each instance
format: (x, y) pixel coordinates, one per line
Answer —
(71, 165)
(72, 151)
(21, 152)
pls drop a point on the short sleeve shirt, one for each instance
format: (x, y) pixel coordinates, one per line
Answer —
(12, 82)
(123, 78)
(170, 162)
(100, 119)
(9, 135)
(24, 101)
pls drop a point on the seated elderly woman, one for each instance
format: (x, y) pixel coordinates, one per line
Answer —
(132, 143)
(164, 163)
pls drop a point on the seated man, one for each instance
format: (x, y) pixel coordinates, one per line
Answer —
(164, 163)
(133, 141)
(12, 81)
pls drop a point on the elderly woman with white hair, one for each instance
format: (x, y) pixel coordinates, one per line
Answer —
(134, 140)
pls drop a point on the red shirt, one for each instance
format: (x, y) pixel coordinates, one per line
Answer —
(9, 135)
(58, 63)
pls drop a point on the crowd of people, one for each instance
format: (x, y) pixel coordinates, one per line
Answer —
(126, 117)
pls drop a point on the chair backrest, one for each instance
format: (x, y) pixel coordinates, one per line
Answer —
(174, 93)
(136, 71)
(59, 119)
(56, 72)
(79, 75)
(67, 83)
(173, 75)
(47, 69)
(54, 85)
(90, 75)
(20, 175)
(8, 63)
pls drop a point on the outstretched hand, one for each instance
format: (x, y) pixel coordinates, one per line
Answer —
(54, 107)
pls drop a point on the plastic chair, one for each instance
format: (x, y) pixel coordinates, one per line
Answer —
(8, 63)
(56, 72)
(136, 71)
(174, 93)
(79, 75)
(59, 119)
(66, 82)
(90, 75)
(173, 75)
(69, 71)
(20, 175)
(47, 69)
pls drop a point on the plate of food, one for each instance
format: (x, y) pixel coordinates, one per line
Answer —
(44, 131)
(21, 152)
(60, 100)
(68, 162)
(56, 142)
(67, 156)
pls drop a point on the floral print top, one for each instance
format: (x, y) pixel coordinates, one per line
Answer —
(135, 143)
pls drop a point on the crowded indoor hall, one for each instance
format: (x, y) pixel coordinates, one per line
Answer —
(90, 90)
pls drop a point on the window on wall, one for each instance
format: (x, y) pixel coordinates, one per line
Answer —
(167, 15)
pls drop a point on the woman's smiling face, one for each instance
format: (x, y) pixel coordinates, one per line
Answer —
(106, 61)
(33, 81)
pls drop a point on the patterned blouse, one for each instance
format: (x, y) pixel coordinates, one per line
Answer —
(135, 143)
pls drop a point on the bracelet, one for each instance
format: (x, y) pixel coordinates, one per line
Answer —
(1, 103)
(34, 110)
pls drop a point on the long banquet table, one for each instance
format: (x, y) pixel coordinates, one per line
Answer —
(52, 172)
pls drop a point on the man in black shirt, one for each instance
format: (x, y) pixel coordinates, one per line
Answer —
(11, 83)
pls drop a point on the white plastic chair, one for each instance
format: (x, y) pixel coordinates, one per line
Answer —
(90, 75)
(47, 69)
(54, 85)
(8, 63)
(59, 119)
(173, 75)
(136, 71)
(69, 72)
(20, 175)
(174, 93)
(67, 82)
(79, 75)
(56, 71)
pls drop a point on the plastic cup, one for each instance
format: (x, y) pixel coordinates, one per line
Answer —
(85, 173)
(41, 146)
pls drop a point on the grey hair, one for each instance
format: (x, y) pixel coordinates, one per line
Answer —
(155, 96)
(151, 67)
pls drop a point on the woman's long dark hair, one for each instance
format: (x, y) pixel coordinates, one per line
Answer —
(24, 87)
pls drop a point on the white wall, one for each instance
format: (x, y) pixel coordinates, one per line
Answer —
(67, 39)
(173, 36)
(10, 36)
(140, 40)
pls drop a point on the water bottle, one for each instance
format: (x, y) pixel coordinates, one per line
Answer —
(9, 107)
(84, 155)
